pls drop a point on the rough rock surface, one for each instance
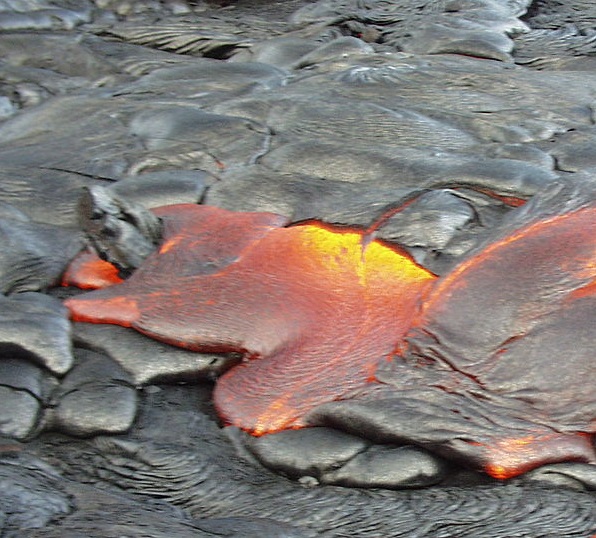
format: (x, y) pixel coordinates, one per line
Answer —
(335, 110)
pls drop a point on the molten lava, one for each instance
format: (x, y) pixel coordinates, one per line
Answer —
(315, 309)
(89, 271)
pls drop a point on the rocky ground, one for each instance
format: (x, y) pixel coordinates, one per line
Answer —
(334, 110)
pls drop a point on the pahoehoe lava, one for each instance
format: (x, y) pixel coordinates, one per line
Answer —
(316, 310)
(390, 206)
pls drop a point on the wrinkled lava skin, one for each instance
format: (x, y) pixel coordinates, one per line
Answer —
(328, 314)
(514, 326)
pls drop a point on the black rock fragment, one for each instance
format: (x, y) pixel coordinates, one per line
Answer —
(167, 187)
(122, 232)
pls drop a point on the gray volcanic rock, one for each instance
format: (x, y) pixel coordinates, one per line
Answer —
(36, 326)
(571, 475)
(164, 188)
(95, 397)
(122, 232)
(46, 196)
(410, 168)
(574, 151)
(560, 36)
(449, 112)
(20, 412)
(22, 393)
(326, 456)
(148, 361)
(34, 255)
(35, 499)
(178, 452)
(202, 77)
(315, 451)
(42, 15)
(170, 134)
(477, 29)
(390, 468)
(32, 493)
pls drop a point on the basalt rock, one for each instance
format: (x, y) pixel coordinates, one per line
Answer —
(343, 114)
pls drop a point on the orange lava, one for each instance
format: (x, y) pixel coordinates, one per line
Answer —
(89, 271)
(314, 306)
(338, 306)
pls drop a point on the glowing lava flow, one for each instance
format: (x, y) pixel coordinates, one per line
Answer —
(504, 341)
(314, 307)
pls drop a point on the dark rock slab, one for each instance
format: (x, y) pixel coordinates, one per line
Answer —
(34, 255)
(36, 326)
(180, 37)
(299, 197)
(389, 468)
(487, 103)
(20, 412)
(36, 138)
(168, 187)
(573, 475)
(22, 391)
(249, 527)
(45, 195)
(439, 38)
(560, 36)
(199, 77)
(327, 456)
(574, 151)
(473, 29)
(148, 361)
(282, 52)
(95, 397)
(39, 15)
(312, 452)
(292, 113)
(386, 166)
(341, 47)
(182, 134)
(22, 375)
(50, 53)
(32, 493)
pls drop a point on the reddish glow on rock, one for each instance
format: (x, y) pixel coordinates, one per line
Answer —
(314, 306)
(511, 201)
(508, 458)
(89, 271)
(515, 323)
(528, 246)
(122, 311)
